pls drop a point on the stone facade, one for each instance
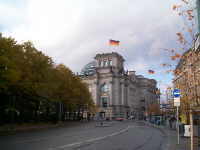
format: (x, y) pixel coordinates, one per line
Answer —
(115, 92)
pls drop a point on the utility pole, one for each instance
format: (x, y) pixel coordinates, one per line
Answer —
(178, 125)
(176, 94)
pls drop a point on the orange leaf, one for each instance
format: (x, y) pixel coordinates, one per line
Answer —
(173, 57)
(177, 55)
(190, 17)
(151, 71)
(185, 1)
(189, 30)
(174, 7)
(164, 65)
(189, 12)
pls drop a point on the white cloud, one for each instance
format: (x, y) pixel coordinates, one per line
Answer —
(72, 32)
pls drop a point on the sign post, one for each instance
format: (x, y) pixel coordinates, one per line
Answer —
(176, 94)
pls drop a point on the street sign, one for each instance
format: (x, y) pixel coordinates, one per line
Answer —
(176, 93)
(177, 102)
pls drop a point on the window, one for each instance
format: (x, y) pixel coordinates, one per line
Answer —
(109, 62)
(101, 63)
(104, 88)
(104, 101)
(104, 63)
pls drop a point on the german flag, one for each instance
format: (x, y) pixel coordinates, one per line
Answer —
(151, 71)
(114, 43)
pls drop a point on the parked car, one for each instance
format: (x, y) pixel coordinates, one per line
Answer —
(119, 119)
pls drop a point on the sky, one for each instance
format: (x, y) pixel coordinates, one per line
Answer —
(72, 32)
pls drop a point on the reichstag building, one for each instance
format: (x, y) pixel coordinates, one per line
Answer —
(116, 92)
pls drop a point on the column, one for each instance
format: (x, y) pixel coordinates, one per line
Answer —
(111, 93)
(122, 94)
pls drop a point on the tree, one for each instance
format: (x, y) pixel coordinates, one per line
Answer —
(33, 88)
(179, 55)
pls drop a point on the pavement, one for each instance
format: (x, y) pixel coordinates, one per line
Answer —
(184, 142)
(113, 135)
(172, 139)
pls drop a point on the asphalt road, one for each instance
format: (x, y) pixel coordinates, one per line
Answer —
(126, 135)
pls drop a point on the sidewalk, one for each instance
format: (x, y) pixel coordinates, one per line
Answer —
(172, 139)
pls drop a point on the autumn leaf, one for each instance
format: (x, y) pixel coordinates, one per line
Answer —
(151, 71)
(190, 17)
(177, 55)
(181, 38)
(189, 12)
(173, 57)
(163, 65)
(185, 1)
(174, 7)
(189, 30)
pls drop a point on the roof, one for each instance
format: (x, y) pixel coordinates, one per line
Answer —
(109, 54)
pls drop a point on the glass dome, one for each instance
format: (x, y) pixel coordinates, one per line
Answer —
(89, 69)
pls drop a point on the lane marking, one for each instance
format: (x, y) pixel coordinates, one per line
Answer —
(92, 140)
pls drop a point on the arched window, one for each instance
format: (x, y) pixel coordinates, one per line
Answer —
(104, 88)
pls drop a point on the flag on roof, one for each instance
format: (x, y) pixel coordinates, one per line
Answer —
(151, 71)
(114, 42)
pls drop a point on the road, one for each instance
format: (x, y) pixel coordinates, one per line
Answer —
(125, 135)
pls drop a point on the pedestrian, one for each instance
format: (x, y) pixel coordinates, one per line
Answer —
(173, 123)
(170, 123)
